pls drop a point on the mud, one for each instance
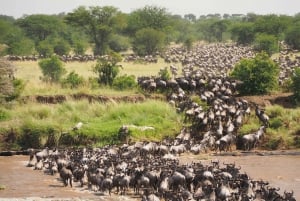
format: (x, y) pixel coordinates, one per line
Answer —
(18, 182)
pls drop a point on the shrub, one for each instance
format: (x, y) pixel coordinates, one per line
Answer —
(258, 75)
(266, 43)
(73, 80)
(52, 69)
(276, 123)
(19, 86)
(164, 74)
(124, 82)
(107, 68)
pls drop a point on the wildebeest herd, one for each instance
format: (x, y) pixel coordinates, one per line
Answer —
(152, 169)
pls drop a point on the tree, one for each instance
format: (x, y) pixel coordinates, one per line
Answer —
(107, 68)
(258, 75)
(61, 47)
(243, 33)
(152, 17)
(218, 28)
(270, 24)
(148, 41)
(52, 69)
(98, 23)
(267, 43)
(7, 71)
(45, 48)
(292, 36)
(39, 27)
(296, 83)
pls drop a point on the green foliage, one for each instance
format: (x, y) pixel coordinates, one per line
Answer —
(4, 114)
(107, 68)
(258, 75)
(271, 25)
(266, 43)
(119, 43)
(124, 82)
(73, 80)
(151, 17)
(38, 135)
(98, 23)
(276, 123)
(243, 33)
(39, 27)
(164, 74)
(148, 41)
(45, 48)
(79, 47)
(19, 45)
(19, 87)
(292, 36)
(61, 47)
(218, 28)
(188, 43)
(296, 83)
(52, 69)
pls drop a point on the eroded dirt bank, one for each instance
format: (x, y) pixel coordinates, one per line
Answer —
(22, 183)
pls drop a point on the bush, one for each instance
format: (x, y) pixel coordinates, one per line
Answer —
(119, 43)
(124, 82)
(148, 41)
(258, 75)
(276, 123)
(266, 43)
(292, 36)
(19, 86)
(73, 80)
(296, 83)
(52, 69)
(107, 68)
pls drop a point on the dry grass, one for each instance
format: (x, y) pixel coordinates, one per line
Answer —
(30, 72)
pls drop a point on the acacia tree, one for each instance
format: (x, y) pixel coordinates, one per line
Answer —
(258, 75)
(98, 23)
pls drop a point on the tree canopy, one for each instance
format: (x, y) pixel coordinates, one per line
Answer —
(98, 23)
(258, 75)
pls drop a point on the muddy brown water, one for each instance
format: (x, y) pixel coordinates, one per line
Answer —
(18, 182)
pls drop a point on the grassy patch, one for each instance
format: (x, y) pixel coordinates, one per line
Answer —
(283, 131)
(39, 125)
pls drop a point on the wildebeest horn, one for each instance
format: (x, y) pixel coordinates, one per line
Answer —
(278, 189)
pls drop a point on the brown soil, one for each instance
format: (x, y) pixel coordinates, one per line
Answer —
(19, 182)
(283, 99)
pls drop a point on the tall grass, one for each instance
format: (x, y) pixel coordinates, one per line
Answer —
(284, 127)
(38, 125)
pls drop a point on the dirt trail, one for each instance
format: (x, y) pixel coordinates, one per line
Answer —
(23, 183)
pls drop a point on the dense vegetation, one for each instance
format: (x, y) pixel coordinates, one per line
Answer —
(147, 30)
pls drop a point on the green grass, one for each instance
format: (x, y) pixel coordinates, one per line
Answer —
(37, 124)
(284, 127)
